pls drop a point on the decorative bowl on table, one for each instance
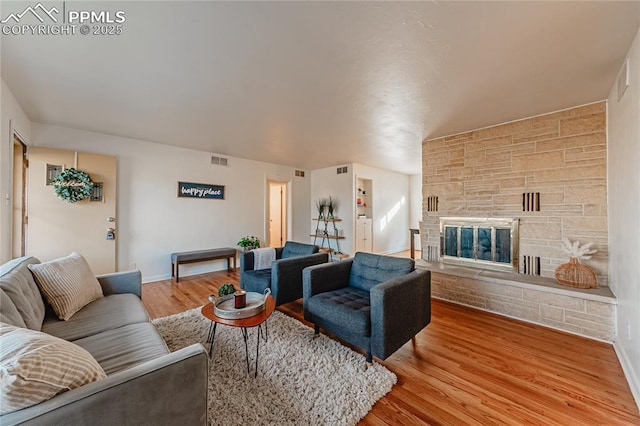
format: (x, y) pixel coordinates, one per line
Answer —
(224, 306)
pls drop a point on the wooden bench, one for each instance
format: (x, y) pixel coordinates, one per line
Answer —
(202, 256)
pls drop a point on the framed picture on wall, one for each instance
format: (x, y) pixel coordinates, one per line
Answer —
(200, 190)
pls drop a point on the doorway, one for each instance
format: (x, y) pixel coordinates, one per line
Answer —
(277, 196)
(19, 215)
(57, 227)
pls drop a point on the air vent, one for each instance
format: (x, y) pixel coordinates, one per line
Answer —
(531, 265)
(530, 201)
(219, 161)
(341, 170)
(432, 203)
(433, 254)
(300, 173)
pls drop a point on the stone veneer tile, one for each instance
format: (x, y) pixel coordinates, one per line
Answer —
(539, 161)
(583, 194)
(551, 312)
(600, 308)
(581, 141)
(591, 223)
(571, 174)
(583, 124)
(554, 300)
(586, 321)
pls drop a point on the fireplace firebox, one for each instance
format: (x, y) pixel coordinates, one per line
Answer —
(487, 243)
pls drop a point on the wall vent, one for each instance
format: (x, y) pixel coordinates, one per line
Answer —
(432, 203)
(530, 201)
(341, 170)
(432, 254)
(300, 173)
(219, 161)
(531, 265)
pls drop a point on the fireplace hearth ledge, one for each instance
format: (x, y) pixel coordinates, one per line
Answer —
(548, 285)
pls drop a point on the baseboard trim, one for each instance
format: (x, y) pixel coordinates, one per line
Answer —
(629, 373)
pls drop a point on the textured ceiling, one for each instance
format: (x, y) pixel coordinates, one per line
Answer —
(315, 84)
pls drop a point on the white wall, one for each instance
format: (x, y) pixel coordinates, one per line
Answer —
(391, 208)
(152, 222)
(12, 119)
(327, 182)
(624, 221)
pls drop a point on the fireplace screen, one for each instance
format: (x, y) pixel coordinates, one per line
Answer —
(490, 243)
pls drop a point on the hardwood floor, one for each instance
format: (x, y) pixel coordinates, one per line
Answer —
(470, 367)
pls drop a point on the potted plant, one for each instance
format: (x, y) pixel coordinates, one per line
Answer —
(332, 206)
(321, 205)
(575, 274)
(226, 289)
(249, 243)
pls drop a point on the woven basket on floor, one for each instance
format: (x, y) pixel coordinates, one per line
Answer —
(574, 274)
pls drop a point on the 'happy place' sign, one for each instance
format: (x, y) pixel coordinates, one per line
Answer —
(200, 190)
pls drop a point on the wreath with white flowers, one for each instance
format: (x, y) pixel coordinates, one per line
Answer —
(73, 185)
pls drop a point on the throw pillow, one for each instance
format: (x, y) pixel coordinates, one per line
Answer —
(36, 366)
(67, 283)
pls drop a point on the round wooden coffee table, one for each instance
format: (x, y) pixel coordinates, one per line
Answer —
(244, 324)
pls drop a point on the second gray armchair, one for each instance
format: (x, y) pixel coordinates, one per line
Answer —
(284, 277)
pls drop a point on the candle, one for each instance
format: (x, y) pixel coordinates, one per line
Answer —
(240, 299)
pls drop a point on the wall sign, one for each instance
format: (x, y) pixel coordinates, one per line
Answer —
(200, 190)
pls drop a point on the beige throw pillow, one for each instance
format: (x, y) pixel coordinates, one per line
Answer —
(35, 366)
(67, 283)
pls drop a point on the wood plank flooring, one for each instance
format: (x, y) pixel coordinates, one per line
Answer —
(470, 367)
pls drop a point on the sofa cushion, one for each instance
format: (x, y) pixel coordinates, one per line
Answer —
(35, 366)
(347, 306)
(68, 284)
(371, 269)
(100, 315)
(8, 312)
(18, 285)
(293, 249)
(124, 347)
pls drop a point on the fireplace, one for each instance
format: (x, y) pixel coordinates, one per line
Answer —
(487, 243)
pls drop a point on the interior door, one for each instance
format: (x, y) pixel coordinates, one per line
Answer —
(277, 214)
(57, 227)
(18, 235)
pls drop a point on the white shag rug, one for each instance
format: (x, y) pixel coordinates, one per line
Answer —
(301, 380)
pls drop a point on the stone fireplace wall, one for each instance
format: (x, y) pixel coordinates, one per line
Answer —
(484, 173)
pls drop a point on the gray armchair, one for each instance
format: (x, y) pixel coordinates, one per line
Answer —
(284, 278)
(374, 302)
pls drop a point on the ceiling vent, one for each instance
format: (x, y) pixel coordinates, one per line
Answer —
(341, 170)
(300, 173)
(219, 161)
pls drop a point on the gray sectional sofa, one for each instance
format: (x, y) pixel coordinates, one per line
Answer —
(145, 383)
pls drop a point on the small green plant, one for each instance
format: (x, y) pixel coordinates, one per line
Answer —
(249, 243)
(321, 205)
(226, 289)
(332, 206)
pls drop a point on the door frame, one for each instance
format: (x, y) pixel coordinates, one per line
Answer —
(16, 137)
(287, 182)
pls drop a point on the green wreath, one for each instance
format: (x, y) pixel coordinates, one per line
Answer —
(73, 185)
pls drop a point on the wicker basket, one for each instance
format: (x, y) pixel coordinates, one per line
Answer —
(574, 274)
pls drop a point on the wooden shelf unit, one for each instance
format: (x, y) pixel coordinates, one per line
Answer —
(325, 236)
